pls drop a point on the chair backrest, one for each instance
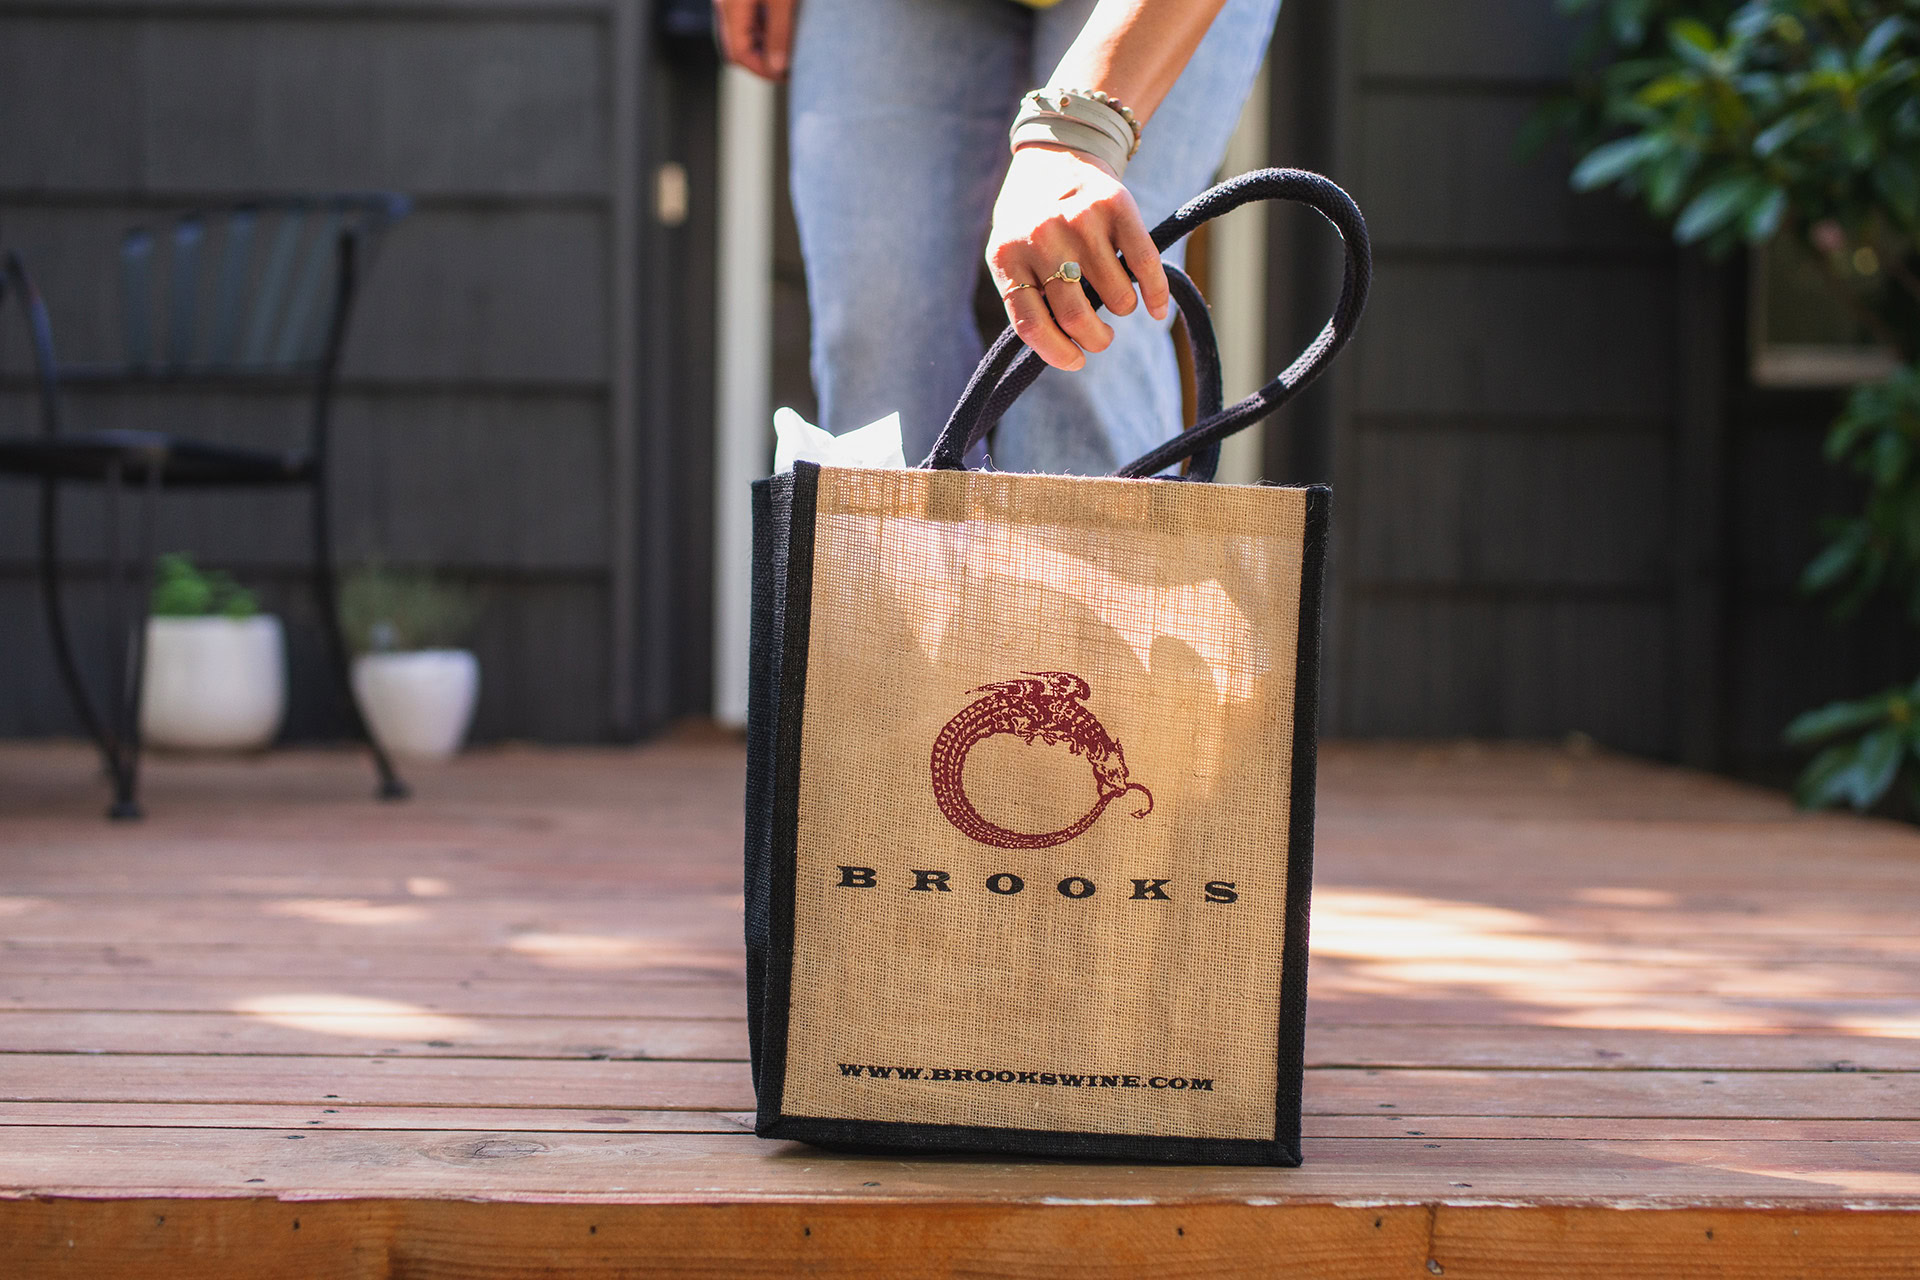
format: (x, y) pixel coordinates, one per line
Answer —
(253, 289)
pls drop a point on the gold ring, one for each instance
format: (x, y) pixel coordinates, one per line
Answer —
(1067, 271)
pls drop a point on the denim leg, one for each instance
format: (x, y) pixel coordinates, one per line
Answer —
(898, 115)
(1126, 400)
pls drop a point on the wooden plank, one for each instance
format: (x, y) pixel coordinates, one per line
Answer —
(490, 1119)
(1510, 667)
(345, 1028)
(269, 997)
(1469, 508)
(1515, 338)
(1531, 1006)
(725, 1086)
(369, 1028)
(1709, 315)
(1332, 1044)
(621, 1167)
(510, 1119)
(78, 958)
(164, 1239)
(508, 295)
(1837, 1095)
(1412, 38)
(509, 105)
(389, 1081)
(532, 285)
(507, 1241)
(1442, 172)
(1482, 1242)
(1787, 886)
(609, 961)
(710, 941)
(71, 97)
(448, 447)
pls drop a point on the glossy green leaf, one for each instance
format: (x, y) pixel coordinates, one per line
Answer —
(1691, 33)
(1715, 207)
(1824, 782)
(1879, 40)
(1779, 134)
(1837, 560)
(1763, 219)
(1841, 717)
(1880, 755)
(1611, 162)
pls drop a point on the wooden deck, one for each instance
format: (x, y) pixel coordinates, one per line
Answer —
(1571, 1015)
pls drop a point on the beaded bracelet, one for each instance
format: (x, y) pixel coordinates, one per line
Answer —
(1083, 120)
(1105, 100)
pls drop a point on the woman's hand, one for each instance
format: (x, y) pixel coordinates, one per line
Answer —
(756, 34)
(1057, 206)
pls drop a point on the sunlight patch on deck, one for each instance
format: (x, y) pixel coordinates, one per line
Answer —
(613, 951)
(1373, 943)
(1386, 927)
(1894, 1028)
(347, 911)
(337, 1014)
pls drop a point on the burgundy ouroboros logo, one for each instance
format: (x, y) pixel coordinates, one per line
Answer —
(1048, 707)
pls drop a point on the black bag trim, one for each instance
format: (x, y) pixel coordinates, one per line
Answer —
(863, 1137)
(796, 513)
(791, 506)
(1306, 759)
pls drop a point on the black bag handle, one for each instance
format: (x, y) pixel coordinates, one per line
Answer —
(1026, 366)
(994, 384)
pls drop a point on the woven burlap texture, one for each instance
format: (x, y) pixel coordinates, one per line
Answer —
(1178, 607)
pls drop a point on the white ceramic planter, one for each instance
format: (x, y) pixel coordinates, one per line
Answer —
(213, 684)
(418, 704)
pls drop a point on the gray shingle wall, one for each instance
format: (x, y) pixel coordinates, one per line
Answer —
(476, 430)
(1503, 430)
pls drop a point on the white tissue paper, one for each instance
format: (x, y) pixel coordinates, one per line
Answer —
(875, 445)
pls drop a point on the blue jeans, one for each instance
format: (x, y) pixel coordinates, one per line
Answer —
(899, 112)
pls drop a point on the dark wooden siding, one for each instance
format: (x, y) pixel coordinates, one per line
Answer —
(1561, 504)
(1502, 434)
(507, 413)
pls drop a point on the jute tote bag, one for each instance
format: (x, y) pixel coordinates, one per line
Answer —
(1030, 792)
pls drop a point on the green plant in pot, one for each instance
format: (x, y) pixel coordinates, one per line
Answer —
(416, 682)
(1796, 123)
(213, 675)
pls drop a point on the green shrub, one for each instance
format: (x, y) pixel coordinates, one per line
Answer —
(1744, 122)
(180, 590)
(387, 610)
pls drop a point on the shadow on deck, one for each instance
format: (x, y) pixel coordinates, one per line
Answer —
(282, 1030)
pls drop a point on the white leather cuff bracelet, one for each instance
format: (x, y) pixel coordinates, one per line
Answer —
(1076, 120)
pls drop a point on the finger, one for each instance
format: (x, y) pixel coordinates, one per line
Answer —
(778, 43)
(1075, 314)
(740, 37)
(1110, 280)
(1131, 238)
(1035, 325)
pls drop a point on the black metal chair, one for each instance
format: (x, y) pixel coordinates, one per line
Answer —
(275, 281)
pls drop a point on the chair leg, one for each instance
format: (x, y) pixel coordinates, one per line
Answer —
(55, 607)
(327, 593)
(126, 709)
(125, 803)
